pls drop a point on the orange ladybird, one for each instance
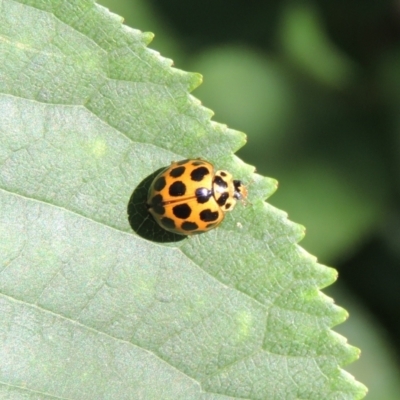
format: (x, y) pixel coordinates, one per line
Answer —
(190, 197)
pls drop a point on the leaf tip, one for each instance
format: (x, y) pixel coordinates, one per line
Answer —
(196, 80)
(147, 37)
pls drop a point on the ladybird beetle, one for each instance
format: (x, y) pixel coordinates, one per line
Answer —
(190, 197)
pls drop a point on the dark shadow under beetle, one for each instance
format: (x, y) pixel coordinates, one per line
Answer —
(141, 220)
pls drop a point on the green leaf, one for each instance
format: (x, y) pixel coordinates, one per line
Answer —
(92, 309)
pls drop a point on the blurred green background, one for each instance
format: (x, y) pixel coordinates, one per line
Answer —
(316, 87)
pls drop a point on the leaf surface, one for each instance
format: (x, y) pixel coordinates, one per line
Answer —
(92, 309)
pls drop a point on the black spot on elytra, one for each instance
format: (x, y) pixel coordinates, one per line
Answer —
(159, 209)
(177, 172)
(182, 162)
(228, 206)
(220, 182)
(177, 189)
(159, 184)
(156, 200)
(196, 163)
(223, 198)
(168, 222)
(223, 173)
(182, 211)
(189, 226)
(203, 195)
(198, 174)
(208, 215)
